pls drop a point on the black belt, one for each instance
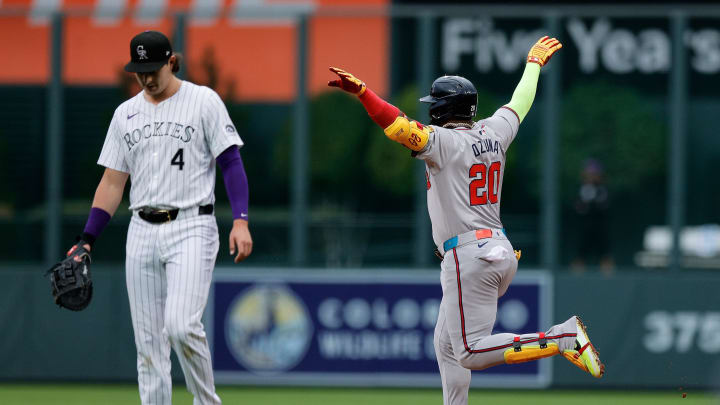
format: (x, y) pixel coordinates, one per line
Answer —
(156, 216)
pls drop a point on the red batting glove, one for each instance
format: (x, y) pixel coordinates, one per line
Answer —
(347, 82)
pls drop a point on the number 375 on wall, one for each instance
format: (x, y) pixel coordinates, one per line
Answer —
(682, 331)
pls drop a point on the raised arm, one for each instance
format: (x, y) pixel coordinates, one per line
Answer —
(524, 93)
(396, 125)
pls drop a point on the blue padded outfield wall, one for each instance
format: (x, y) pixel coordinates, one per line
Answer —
(367, 328)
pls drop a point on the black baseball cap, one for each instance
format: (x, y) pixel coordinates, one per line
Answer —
(149, 51)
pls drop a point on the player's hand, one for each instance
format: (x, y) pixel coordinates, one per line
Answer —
(240, 240)
(543, 50)
(347, 82)
(74, 248)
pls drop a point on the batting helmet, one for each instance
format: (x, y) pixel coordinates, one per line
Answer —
(451, 98)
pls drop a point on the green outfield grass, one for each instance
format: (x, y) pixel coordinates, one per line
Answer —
(80, 394)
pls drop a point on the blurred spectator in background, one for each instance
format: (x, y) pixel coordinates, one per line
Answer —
(591, 208)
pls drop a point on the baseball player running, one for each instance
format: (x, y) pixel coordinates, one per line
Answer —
(168, 138)
(465, 161)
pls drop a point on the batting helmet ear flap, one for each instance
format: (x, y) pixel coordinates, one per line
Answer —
(451, 98)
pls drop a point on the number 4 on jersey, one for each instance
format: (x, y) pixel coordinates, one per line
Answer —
(484, 177)
(178, 159)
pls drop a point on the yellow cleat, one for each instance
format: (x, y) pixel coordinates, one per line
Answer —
(585, 356)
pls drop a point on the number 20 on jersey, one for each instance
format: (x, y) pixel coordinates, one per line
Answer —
(485, 183)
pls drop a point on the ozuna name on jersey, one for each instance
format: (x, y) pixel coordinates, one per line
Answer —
(172, 129)
(485, 145)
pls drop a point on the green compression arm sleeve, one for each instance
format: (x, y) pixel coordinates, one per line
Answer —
(524, 93)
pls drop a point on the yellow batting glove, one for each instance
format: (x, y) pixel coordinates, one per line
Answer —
(347, 82)
(543, 50)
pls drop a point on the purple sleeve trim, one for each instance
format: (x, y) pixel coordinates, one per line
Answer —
(236, 183)
(97, 220)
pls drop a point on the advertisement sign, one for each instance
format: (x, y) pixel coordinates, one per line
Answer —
(491, 50)
(357, 328)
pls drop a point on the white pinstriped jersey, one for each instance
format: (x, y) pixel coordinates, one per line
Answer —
(464, 169)
(169, 149)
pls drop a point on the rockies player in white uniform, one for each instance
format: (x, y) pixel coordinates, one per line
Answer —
(167, 139)
(465, 162)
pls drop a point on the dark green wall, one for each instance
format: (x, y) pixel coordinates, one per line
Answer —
(43, 342)
(652, 330)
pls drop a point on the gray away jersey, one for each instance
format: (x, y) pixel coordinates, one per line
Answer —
(169, 149)
(464, 170)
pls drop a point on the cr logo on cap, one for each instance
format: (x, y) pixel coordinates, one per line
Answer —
(142, 53)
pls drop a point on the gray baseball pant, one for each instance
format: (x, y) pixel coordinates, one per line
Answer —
(471, 285)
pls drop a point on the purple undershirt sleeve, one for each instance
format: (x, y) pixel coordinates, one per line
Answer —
(97, 220)
(236, 183)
